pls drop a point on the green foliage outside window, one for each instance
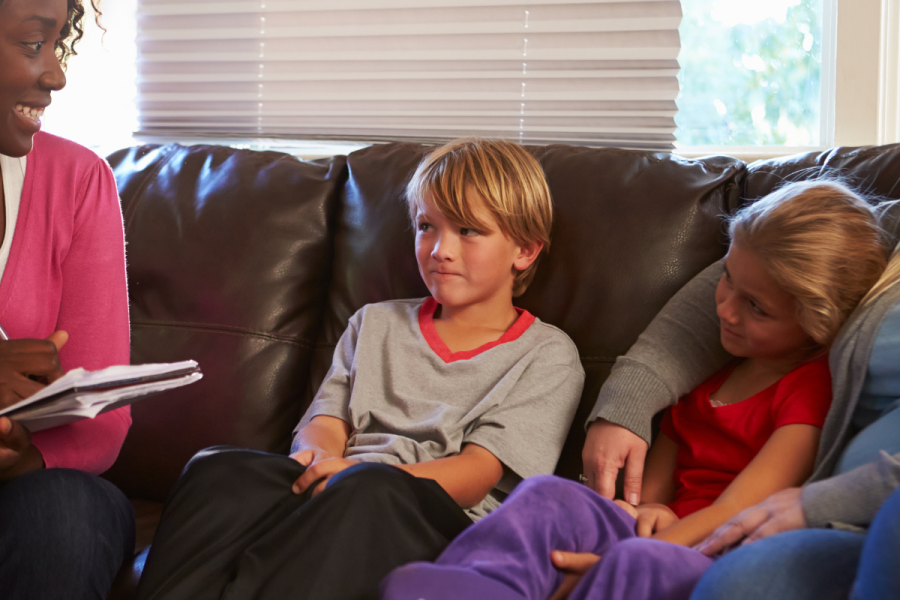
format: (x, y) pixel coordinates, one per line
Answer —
(746, 83)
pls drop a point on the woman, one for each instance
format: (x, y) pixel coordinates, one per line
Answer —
(63, 303)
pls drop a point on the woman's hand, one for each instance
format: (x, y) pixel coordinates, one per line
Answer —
(23, 361)
(574, 565)
(782, 511)
(17, 454)
(654, 518)
(607, 449)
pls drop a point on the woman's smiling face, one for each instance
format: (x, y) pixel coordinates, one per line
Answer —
(29, 30)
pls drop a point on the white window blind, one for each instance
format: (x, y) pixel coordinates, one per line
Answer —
(601, 73)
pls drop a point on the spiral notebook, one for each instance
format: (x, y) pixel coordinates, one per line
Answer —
(81, 394)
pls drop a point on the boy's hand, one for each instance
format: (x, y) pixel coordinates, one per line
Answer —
(310, 456)
(654, 518)
(574, 565)
(323, 439)
(782, 511)
(322, 470)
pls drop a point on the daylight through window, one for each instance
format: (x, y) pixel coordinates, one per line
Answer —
(751, 73)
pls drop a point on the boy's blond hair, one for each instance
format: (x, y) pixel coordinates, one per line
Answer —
(508, 178)
(824, 245)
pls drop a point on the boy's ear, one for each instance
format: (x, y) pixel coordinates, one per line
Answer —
(527, 255)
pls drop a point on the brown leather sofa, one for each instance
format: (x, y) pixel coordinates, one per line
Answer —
(252, 262)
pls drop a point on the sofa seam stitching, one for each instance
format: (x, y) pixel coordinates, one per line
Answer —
(225, 330)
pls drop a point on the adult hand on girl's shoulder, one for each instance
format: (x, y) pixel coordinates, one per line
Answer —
(653, 519)
(20, 359)
(608, 448)
(321, 471)
(574, 566)
(782, 511)
(17, 454)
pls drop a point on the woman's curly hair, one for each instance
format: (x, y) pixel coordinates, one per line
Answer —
(73, 30)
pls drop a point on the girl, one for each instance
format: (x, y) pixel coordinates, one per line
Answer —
(800, 260)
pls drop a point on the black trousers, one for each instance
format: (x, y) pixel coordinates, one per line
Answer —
(232, 529)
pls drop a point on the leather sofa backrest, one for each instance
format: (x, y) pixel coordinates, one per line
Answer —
(874, 171)
(229, 260)
(252, 262)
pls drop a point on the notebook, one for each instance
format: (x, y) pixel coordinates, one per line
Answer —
(81, 394)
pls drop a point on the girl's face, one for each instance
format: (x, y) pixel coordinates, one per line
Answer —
(758, 318)
(29, 68)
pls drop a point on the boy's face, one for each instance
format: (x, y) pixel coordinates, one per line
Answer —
(464, 267)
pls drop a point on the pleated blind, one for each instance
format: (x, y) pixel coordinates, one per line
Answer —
(601, 73)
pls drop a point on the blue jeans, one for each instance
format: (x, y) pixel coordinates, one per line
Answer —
(883, 434)
(63, 534)
(878, 575)
(813, 564)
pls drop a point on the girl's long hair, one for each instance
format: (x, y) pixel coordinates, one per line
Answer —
(825, 246)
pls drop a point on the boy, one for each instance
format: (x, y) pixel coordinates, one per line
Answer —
(430, 407)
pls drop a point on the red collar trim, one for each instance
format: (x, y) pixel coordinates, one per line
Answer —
(426, 325)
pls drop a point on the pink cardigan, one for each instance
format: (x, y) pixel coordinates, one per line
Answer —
(66, 271)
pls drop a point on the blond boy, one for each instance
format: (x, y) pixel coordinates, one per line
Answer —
(432, 411)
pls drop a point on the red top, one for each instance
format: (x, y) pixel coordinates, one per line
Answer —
(426, 325)
(717, 443)
(66, 271)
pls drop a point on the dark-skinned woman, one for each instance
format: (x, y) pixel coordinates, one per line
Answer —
(64, 532)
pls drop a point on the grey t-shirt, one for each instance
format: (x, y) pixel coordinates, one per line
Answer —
(409, 400)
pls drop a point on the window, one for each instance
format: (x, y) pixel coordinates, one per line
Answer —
(755, 73)
(857, 100)
(586, 72)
